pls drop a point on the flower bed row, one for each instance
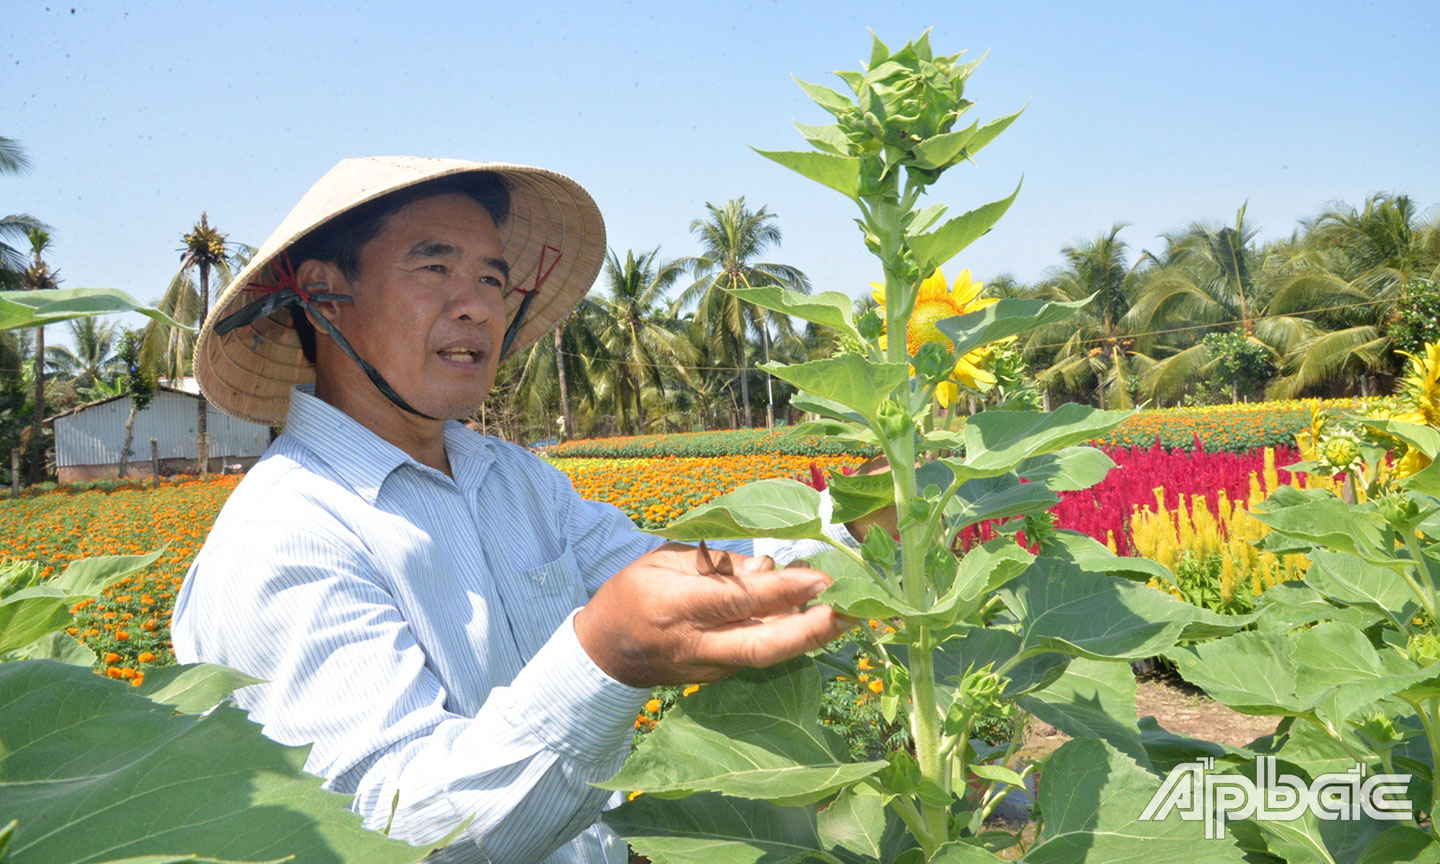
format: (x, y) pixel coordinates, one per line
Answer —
(725, 442)
(1231, 428)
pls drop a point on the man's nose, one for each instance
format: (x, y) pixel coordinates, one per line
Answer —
(472, 301)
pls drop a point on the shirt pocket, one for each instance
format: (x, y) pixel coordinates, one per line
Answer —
(547, 594)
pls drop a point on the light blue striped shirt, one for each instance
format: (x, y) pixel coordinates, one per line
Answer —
(417, 629)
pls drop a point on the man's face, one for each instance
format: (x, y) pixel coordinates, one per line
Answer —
(429, 310)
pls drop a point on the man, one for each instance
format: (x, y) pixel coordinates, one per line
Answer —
(455, 630)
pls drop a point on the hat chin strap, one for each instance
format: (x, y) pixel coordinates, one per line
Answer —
(370, 371)
(379, 380)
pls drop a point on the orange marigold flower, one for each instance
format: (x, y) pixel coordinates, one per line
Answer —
(865, 663)
(877, 686)
(112, 657)
(653, 706)
(121, 635)
(127, 673)
(137, 680)
(113, 671)
(147, 657)
(873, 622)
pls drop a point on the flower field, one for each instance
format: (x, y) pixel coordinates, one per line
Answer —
(653, 492)
(1232, 428)
(130, 624)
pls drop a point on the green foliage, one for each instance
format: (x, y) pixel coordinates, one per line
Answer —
(1197, 578)
(20, 309)
(1417, 322)
(94, 772)
(139, 384)
(1242, 366)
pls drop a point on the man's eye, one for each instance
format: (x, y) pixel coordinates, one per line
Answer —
(437, 268)
(492, 280)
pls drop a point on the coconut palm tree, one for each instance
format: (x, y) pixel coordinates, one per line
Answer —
(1211, 279)
(636, 326)
(15, 228)
(166, 351)
(731, 237)
(561, 368)
(39, 277)
(93, 360)
(1095, 348)
(1355, 266)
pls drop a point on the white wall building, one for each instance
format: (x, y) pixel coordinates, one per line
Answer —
(88, 438)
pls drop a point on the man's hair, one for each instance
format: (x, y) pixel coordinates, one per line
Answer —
(342, 240)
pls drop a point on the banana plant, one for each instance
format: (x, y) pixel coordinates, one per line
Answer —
(744, 770)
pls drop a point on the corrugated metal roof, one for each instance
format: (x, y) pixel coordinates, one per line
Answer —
(94, 434)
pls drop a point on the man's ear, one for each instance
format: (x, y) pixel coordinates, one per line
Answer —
(325, 274)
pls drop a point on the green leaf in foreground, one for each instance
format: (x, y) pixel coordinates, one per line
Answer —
(193, 688)
(934, 248)
(849, 379)
(1093, 699)
(94, 773)
(713, 829)
(827, 308)
(1092, 796)
(1009, 317)
(778, 508)
(841, 173)
(1065, 609)
(1007, 438)
(20, 309)
(756, 735)
(35, 612)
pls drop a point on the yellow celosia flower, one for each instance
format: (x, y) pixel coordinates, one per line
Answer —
(935, 303)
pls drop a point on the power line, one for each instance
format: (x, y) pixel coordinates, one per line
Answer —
(1097, 340)
(1189, 327)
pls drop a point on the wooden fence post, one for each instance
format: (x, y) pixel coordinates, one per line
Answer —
(15, 473)
(155, 462)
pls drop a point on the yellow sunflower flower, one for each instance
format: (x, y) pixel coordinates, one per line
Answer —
(935, 303)
(1421, 388)
(1419, 393)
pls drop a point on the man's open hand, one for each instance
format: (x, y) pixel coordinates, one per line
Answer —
(679, 615)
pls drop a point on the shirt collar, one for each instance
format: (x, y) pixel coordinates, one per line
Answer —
(363, 460)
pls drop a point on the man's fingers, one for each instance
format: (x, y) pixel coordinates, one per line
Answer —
(755, 595)
(763, 643)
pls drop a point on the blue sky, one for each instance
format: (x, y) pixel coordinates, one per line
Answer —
(138, 116)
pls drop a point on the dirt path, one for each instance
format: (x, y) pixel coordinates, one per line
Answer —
(1178, 708)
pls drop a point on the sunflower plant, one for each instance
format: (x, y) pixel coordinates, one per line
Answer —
(745, 769)
(1350, 657)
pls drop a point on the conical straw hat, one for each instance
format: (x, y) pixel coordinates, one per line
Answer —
(249, 371)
